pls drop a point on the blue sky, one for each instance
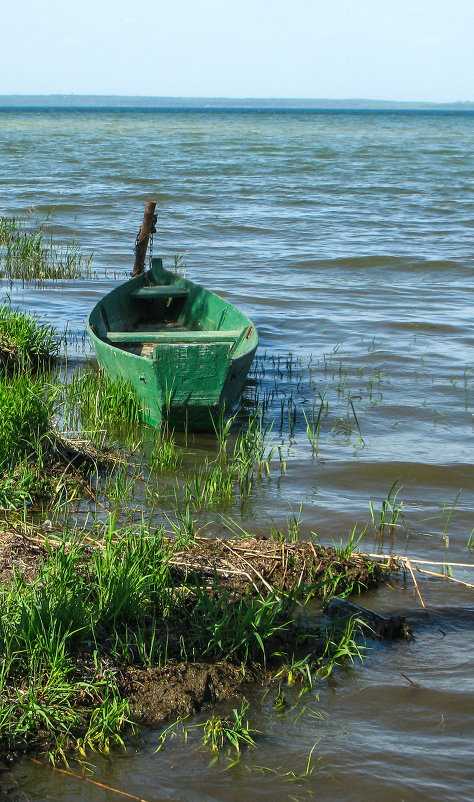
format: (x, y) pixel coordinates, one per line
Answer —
(383, 49)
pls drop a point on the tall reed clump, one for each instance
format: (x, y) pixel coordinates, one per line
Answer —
(28, 252)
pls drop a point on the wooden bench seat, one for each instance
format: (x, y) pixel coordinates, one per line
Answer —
(171, 337)
(159, 291)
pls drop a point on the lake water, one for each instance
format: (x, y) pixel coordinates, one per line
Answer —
(348, 239)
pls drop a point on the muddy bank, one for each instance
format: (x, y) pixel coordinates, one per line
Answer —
(19, 552)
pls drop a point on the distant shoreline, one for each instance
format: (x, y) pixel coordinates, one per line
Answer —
(146, 102)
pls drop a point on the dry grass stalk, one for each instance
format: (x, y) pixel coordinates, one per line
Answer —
(88, 780)
(396, 562)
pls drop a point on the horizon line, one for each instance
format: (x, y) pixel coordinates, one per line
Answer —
(20, 98)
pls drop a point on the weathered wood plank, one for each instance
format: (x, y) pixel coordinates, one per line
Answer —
(172, 336)
(149, 293)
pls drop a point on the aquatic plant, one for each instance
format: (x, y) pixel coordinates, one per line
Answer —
(28, 252)
(233, 730)
(391, 512)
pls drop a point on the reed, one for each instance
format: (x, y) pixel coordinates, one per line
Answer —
(29, 253)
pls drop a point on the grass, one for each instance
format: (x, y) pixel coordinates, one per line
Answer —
(313, 423)
(297, 670)
(25, 342)
(73, 602)
(243, 456)
(232, 731)
(95, 401)
(165, 455)
(29, 253)
(390, 514)
(341, 647)
(27, 401)
(25, 410)
(104, 599)
(236, 628)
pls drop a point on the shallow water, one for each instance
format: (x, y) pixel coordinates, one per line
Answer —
(348, 239)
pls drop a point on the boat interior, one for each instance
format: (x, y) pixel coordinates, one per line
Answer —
(162, 308)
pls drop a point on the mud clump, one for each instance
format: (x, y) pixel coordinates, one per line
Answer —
(157, 694)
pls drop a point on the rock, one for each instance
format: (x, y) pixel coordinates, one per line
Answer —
(375, 625)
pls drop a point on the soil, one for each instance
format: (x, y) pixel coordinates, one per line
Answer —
(181, 689)
(19, 552)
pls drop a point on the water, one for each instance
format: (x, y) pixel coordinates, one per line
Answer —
(348, 239)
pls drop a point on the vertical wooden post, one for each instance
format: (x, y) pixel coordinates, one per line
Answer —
(147, 228)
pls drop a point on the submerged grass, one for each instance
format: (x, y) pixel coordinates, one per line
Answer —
(233, 731)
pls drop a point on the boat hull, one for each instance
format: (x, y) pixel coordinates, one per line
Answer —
(184, 350)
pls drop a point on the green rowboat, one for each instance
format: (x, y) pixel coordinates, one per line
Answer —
(186, 351)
